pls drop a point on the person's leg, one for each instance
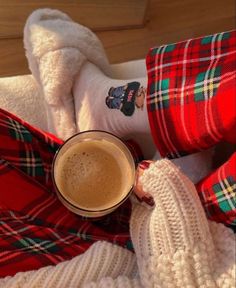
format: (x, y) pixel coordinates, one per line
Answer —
(191, 94)
(190, 97)
(35, 228)
(218, 193)
(192, 106)
(185, 79)
(109, 104)
(116, 106)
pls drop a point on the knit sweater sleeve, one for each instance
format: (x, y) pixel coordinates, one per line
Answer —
(173, 242)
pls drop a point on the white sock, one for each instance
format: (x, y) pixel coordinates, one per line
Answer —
(90, 91)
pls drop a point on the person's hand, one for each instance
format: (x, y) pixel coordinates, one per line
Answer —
(141, 195)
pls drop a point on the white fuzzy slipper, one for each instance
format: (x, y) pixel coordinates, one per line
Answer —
(56, 48)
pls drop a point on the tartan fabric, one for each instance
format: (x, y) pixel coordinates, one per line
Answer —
(191, 93)
(35, 228)
(191, 102)
(218, 193)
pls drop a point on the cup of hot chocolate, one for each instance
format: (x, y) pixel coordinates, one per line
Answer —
(93, 173)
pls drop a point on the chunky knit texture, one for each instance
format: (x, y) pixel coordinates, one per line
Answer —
(174, 244)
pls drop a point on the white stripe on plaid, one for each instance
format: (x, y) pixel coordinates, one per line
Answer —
(33, 246)
(17, 218)
(223, 79)
(25, 161)
(62, 219)
(12, 232)
(8, 255)
(193, 60)
(213, 64)
(227, 193)
(51, 199)
(182, 97)
(47, 172)
(71, 238)
(44, 245)
(165, 134)
(29, 161)
(226, 186)
(17, 127)
(156, 107)
(224, 194)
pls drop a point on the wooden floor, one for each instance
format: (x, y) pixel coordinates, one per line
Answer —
(168, 21)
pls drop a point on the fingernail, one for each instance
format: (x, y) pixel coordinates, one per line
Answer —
(144, 164)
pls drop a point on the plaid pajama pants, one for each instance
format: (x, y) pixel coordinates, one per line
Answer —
(191, 106)
(35, 228)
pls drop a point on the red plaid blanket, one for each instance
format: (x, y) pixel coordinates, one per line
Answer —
(35, 228)
(191, 105)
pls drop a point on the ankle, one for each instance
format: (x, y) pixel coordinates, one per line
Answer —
(97, 108)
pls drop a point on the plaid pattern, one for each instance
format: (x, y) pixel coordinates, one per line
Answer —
(191, 93)
(218, 193)
(191, 102)
(35, 228)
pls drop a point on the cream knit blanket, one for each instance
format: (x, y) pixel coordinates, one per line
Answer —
(175, 246)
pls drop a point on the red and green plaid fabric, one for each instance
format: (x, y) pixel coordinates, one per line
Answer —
(191, 102)
(191, 93)
(218, 193)
(35, 228)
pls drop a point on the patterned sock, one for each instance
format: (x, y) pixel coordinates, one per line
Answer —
(116, 106)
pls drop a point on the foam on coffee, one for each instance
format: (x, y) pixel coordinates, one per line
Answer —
(94, 174)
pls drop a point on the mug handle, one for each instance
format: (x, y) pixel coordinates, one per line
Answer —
(141, 165)
(135, 150)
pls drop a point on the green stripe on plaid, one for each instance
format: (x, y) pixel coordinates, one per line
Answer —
(162, 99)
(159, 50)
(18, 131)
(225, 192)
(36, 245)
(31, 162)
(209, 39)
(206, 84)
(209, 80)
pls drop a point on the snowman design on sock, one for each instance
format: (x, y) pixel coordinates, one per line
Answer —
(126, 98)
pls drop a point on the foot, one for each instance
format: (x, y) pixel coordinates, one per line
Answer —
(116, 106)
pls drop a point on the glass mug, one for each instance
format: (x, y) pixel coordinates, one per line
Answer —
(93, 173)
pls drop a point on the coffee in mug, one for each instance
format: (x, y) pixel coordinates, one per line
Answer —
(93, 173)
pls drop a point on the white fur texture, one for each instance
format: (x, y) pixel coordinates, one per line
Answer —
(56, 48)
(20, 95)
